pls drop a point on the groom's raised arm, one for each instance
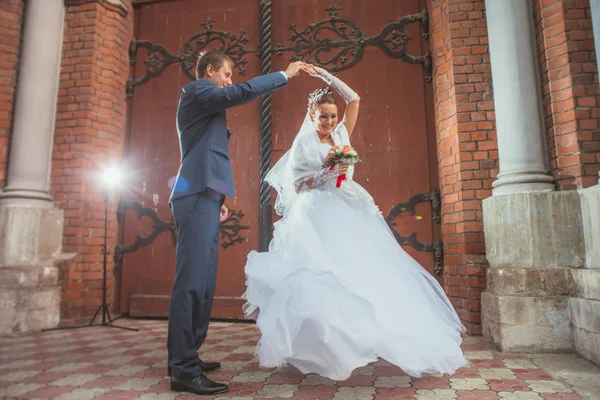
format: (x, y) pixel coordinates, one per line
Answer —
(214, 99)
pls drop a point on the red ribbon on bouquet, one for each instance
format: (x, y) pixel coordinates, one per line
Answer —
(340, 178)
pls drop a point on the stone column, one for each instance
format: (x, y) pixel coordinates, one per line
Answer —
(517, 98)
(533, 234)
(30, 226)
(28, 179)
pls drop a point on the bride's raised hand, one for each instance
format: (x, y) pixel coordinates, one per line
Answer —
(310, 69)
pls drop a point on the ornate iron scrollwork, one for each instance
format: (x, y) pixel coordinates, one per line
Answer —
(433, 197)
(159, 58)
(307, 44)
(230, 230)
(310, 44)
(435, 247)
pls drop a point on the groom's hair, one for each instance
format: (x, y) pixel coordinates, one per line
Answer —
(213, 57)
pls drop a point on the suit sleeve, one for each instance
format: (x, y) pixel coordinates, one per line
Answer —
(214, 99)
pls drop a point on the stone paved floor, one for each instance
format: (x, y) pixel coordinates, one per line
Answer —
(105, 363)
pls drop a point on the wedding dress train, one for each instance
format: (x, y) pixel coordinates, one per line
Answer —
(335, 291)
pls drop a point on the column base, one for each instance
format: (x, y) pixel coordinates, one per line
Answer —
(30, 247)
(527, 324)
(523, 182)
(522, 188)
(585, 316)
(585, 304)
(533, 240)
(31, 197)
(545, 329)
(590, 215)
(543, 291)
(527, 310)
(534, 230)
(29, 299)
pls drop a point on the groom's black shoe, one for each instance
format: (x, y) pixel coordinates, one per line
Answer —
(209, 366)
(204, 366)
(200, 385)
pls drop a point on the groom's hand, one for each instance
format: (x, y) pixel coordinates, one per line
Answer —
(294, 69)
(224, 213)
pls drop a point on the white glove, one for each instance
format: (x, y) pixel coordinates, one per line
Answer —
(343, 90)
(312, 182)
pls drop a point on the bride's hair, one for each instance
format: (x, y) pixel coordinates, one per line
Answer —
(320, 96)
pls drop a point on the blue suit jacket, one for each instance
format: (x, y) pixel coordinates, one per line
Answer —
(203, 132)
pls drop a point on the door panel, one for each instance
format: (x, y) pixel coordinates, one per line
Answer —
(394, 134)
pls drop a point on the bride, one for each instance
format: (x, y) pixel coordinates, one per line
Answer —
(335, 291)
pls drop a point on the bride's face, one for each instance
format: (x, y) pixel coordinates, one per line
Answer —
(325, 118)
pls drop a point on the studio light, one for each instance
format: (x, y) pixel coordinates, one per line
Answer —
(112, 177)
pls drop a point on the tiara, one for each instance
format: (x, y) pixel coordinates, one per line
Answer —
(317, 94)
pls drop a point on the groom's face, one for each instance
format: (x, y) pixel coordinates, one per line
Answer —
(221, 77)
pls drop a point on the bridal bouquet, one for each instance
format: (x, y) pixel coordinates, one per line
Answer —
(341, 154)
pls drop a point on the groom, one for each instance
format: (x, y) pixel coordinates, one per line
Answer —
(197, 201)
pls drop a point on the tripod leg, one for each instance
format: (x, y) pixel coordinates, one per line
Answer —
(110, 321)
(95, 315)
(123, 327)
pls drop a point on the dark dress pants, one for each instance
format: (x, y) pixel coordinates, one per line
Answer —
(197, 220)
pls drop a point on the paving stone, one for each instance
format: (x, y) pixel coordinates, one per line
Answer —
(548, 387)
(350, 393)
(469, 384)
(393, 382)
(75, 380)
(436, 394)
(277, 391)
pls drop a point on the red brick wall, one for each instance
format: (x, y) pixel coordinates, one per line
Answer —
(570, 90)
(90, 131)
(11, 15)
(467, 150)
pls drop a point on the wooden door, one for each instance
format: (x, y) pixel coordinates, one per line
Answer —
(395, 133)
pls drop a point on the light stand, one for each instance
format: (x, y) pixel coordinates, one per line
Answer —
(104, 307)
(106, 318)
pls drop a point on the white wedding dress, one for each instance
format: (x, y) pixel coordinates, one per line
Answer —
(335, 291)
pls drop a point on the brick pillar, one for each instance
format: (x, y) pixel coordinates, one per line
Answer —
(11, 18)
(90, 133)
(467, 149)
(569, 78)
